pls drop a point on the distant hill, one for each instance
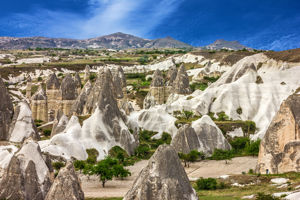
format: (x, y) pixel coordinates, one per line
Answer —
(112, 41)
(223, 44)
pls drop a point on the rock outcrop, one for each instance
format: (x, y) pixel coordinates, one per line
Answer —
(104, 75)
(69, 94)
(163, 178)
(104, 129)
(60, 123)
(22, 126)
(53, 93)
(78, 107)
(27, 176)
(6, 111)
(157, 92)
(66, 185)
(77, 81)
(181, 84)
(280, 148)
(87, 73)
(171, 76)
(39, 105)
(203, 135)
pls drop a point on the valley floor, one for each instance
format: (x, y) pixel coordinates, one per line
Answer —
(208, 168)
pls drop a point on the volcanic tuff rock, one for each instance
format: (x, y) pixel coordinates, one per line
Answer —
(22, 125)
(118, 85)
(66, 185)
(79, 104)
(181, 84)
(104, 129)
(87, 73)
(158, 79)
(104, 75)
(6, 111)
(280, 148)
(172, 74)
(77, 80)
(163, 178)
(39, 105)
(68, 88)
(156, 94)
(27, 176)
(60, 123)
(52, 82)
(203, 135)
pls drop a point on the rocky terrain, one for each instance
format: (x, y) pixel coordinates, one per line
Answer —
(113, 41)
(82, 119)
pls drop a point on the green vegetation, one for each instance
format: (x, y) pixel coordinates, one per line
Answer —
(262, 196)
(92, 156)
(47, 132)
(198, 86)
(38, 122)
(184, 117)
(58, 165)
(148, 145)
(241, 146)
(239, 111)
(92, 77)
(193, 156)
(209, 184)
(107, 169)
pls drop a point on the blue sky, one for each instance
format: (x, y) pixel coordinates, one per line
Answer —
(262, 24)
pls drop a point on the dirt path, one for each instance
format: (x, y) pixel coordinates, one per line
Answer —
(207, 168)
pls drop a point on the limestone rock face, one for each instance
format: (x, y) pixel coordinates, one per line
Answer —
(39, 105)
(6, 111)
(280, 148)
(239, 73)
(22, 125)
(66, 185)
(181, 84)
(52, 82)
(79, 105)
(203, 135)
(27, 176)
(68, 88)
(163, 178)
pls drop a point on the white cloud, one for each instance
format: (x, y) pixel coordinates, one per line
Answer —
(103, 17)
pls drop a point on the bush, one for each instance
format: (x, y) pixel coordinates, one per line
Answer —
(58, 165)
(252, 148)
(40, 78)
(92, 77)
(206, 184)
(119, 153)
(47, 132)
(92, 156)
(79, 164)
(262, 196)
(239, 144)
(142, 151)
(220, 154)
(239, 111)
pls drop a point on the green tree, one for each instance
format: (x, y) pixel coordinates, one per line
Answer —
(79, 165)
(252, 148)
(187, 114)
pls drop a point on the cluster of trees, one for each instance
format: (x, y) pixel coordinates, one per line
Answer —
(105, 169)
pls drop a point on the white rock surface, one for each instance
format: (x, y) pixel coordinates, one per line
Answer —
(279, 181)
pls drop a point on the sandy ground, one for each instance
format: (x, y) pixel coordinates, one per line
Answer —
(207, 168)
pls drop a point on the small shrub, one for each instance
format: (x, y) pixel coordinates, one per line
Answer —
(251, 171)
(92, 156)
(220, 154)
(239, 111)
(142, 151)
(47, 132)
(92, 77)
(79, 164)
(58, 165)
(206, 184)
(262, 196)
(252, 148)
(40, 78)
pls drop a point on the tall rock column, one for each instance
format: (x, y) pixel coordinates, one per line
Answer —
(53, 94)
(69, 94)
(87, 73)
(280, 148)
(6, 111)
(156, 94)
(181, 84)
(39, 105)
